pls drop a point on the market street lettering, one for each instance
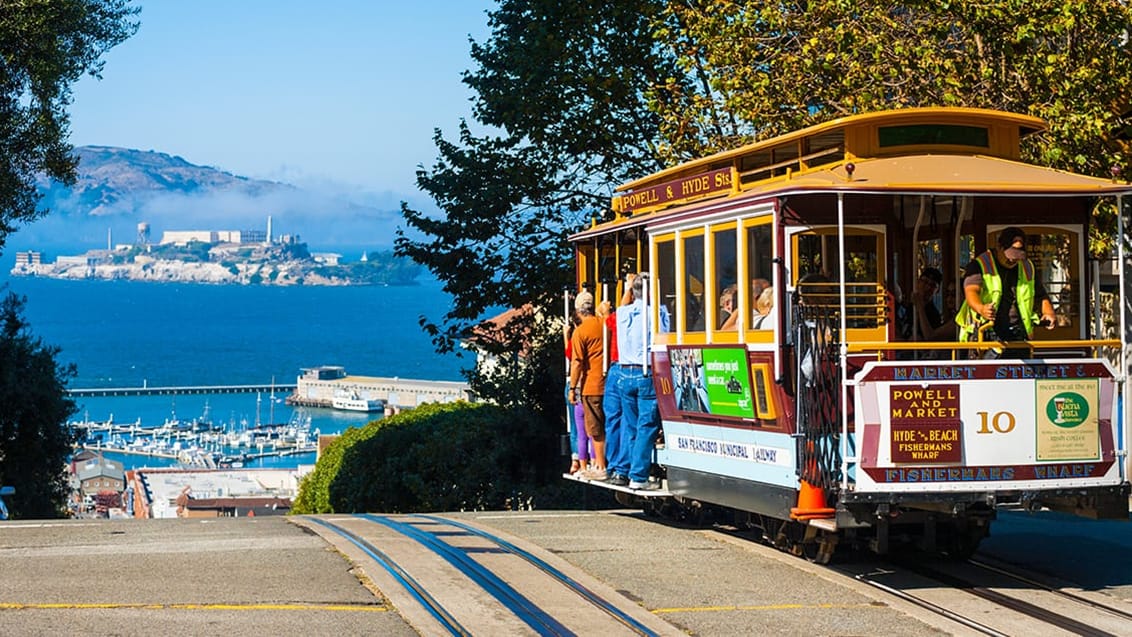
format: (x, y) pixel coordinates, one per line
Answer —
(959, 372)
(1040, 371)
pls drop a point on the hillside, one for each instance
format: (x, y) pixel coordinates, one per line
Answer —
(118, 180)
(117, 188)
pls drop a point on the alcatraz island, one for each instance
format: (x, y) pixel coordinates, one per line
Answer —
(244, 257)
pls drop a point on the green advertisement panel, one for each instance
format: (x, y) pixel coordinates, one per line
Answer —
(712, 380)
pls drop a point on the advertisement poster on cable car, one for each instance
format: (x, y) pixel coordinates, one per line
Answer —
(711, 380)
(958, 426)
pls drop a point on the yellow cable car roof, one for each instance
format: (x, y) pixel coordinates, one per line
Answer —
(920, 168)
(1026, 124)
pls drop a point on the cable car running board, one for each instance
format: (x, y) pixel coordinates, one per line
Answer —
(651, 493)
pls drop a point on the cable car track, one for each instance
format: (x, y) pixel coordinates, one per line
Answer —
(497, 579)
(1038, 603)
(1117, 612)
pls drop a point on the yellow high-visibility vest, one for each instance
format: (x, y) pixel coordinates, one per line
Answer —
(969, 321)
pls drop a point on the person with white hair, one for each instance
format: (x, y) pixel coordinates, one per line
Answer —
(640, 417)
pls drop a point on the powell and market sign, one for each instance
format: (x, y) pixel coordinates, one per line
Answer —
(677, 190)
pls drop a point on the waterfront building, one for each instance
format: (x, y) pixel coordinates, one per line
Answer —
(171, 493)
(100, 474)
(318, 386)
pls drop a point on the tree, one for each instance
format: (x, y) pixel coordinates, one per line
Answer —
(562, 89)
(35, 438)
(579, 96)
(781, 66)
(46, 46)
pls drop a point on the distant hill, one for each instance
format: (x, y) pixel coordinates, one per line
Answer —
(115, 180)
(120, 187)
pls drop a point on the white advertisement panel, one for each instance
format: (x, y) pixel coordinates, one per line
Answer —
(985, 425)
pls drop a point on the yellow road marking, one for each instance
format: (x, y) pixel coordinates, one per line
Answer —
(715, 609)
(85, 606)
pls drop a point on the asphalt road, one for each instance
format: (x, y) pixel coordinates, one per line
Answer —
(269, 576)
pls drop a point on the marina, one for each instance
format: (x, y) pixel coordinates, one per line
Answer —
(199, 442)
(283, 431)
(228, 430)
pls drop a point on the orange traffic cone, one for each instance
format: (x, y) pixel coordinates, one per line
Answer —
(811, 504)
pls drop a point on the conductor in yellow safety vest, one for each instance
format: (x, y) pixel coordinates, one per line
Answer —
(1001, 285)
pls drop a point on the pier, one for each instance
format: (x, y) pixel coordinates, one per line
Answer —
(87, 392)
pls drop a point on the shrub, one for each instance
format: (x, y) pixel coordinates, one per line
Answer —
(458, 456)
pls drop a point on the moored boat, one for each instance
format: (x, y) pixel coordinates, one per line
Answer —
(352, 401)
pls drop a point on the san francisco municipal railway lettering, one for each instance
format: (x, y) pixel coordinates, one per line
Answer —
(925, 423)
(735, 450)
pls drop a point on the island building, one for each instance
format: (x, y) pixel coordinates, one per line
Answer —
(29, 257)
(319, 386)
(242, 237)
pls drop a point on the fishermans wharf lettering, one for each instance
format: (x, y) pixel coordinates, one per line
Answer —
(997, 473)
(713, 182)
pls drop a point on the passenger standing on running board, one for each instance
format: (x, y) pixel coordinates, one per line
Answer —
(616, 453)
(587, 383)
(639, 415)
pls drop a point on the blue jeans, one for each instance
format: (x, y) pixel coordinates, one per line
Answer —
(642, 423)
(572, 426)
(616, 453)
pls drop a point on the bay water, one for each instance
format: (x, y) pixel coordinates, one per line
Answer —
(134, 334)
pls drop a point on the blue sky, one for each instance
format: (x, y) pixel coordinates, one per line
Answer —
(342, 93)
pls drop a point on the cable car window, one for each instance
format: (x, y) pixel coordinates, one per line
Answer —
(607, 259)
(586, 264)
(941, 134)
(666, 282)
(760, 255)
(864, 294)
(725, 275)
(693, 306)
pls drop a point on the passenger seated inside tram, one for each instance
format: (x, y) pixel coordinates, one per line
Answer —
(757, 287)
(728, 308)
(764, 311)
(929, 321)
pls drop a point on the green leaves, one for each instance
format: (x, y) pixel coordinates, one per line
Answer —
(781, 66)
(45, 46)
(35, 438)
(451, 457)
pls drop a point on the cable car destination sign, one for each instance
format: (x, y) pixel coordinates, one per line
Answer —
(675, 191)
